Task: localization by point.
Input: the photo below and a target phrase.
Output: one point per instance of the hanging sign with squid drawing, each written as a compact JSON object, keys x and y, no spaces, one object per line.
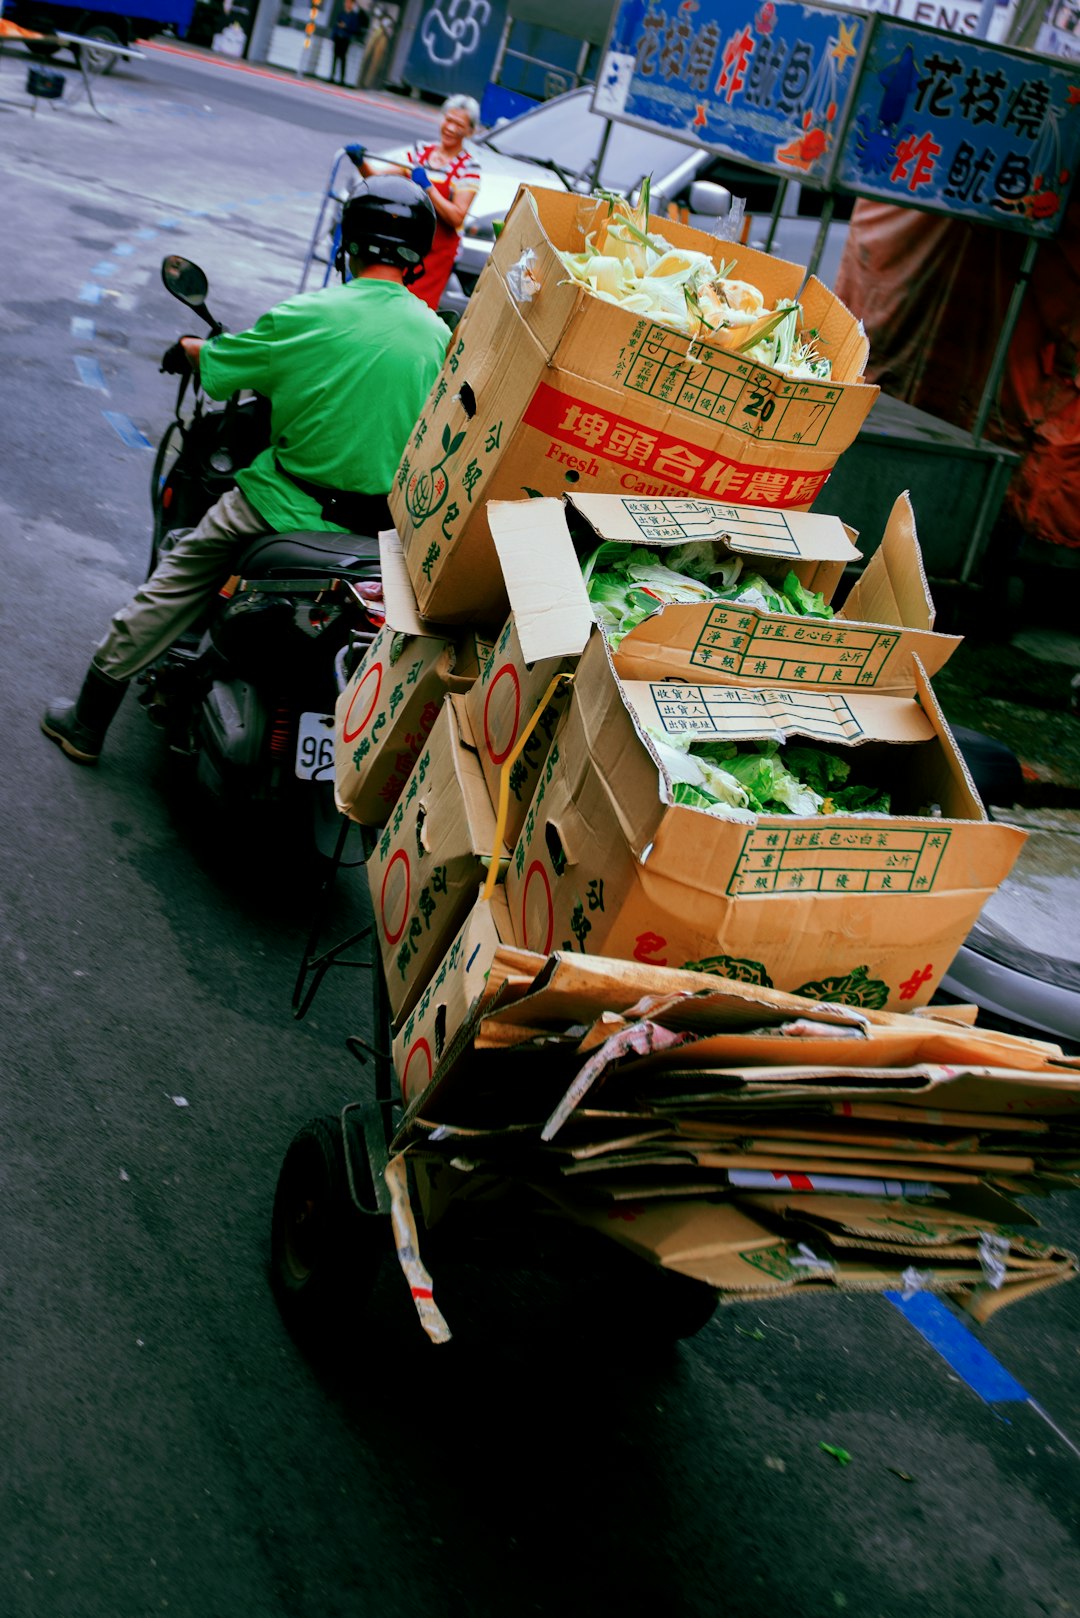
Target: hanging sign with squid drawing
{"x":767,"y":82}
{"x":962,"y":127}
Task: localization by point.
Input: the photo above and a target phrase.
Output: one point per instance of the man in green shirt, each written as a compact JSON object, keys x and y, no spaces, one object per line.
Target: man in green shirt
{"x":347,"y":370}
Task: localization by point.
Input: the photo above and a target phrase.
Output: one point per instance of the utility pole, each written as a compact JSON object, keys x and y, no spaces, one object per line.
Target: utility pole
{"x":307,"y":63}
{"x":262,"y":30}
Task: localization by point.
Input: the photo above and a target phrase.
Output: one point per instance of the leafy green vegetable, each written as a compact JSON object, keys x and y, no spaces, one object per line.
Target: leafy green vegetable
{"x":772,"y":788}
{"x":715,"y":752}
{"x":810,"y":602}
{"x":626,"y":583}
{"x":699,"y":558}
{"x":728,"y":778}
{"x":820,"y":770}
{"x":862,"y":800}
{"x":696,"y":797}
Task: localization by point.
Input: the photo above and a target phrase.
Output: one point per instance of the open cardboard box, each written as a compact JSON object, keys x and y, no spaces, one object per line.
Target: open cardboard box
{"x":428,"y":866}
{"x":386,"y":712}
{"x":456,"y":990}
{"x":886,"y":621}
{"x":870,"y":908}
{"x":546,"y":389}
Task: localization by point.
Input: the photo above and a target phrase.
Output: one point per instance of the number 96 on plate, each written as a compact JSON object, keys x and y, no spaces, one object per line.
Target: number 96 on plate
{"x":315,"y":747}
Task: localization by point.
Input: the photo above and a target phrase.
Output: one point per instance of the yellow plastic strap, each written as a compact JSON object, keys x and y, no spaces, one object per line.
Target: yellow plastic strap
{"x":503,"y":806}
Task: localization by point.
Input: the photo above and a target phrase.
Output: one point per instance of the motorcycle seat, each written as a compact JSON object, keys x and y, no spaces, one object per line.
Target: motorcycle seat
{"x":304,"y":555}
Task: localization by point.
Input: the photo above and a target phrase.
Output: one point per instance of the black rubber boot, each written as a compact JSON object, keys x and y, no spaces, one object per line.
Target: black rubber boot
{"x":79,"y":727}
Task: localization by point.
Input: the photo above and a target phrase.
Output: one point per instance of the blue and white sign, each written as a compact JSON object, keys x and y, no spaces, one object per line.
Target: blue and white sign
{"x":765,"y":81}
{"x":961,"y":127}
{"x":454,"y":47}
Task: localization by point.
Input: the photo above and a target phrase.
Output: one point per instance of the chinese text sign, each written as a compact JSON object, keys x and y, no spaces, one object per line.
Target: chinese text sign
{"x":768,"y":84}
{"x":960,"y":127}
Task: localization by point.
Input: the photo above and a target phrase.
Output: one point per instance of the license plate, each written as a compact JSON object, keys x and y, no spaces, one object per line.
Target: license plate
{"x":315,"y":747}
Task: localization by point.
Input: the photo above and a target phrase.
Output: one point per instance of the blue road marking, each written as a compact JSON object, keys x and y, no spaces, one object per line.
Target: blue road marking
{"x":84,"y":331}
{"x":934,"y":1321}
{"x":127,"y":430}
{"x":90,"y":374}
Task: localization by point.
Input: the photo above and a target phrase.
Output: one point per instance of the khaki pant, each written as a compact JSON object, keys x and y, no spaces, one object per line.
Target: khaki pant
{"x":176,"y":593}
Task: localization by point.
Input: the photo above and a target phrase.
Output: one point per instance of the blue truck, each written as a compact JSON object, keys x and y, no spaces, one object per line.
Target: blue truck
{"x":114,"y":22}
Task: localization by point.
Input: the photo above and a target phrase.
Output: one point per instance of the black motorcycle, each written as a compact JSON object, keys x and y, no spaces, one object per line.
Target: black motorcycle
{"x":248,"y":694}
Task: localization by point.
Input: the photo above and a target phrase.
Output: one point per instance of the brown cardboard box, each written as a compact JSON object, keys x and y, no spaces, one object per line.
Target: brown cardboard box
{"x":887,"y":619}
{"x":552,"y":617}
{"x":455,"y":988}
{"x":866,"y":908}
{"x":384,"y":715}
{"x":429,"y":864}
{"x":723,"y":1245}
{"x":547,"y":389}
{"x":530,"y":652}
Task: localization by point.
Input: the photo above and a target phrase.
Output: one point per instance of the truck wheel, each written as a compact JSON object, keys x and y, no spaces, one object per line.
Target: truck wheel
{"x":41,"y":23}
{"x":324,"y":1254}
{"x":101,"y":62}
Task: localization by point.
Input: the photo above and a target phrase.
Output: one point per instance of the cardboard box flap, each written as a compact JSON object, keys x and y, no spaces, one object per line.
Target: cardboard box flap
{"x":476,"y":828}
{"x":840,"y":338}
{"x":893,"y":587}
{"x":955,"y":789}
{"x":552,"y":611}
{"x":402,"y":612}
{"x":735,"y":713}
{"x":744,"y":530}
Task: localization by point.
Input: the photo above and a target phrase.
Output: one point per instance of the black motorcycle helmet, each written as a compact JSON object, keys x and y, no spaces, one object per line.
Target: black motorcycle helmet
{"x":388,"y":220}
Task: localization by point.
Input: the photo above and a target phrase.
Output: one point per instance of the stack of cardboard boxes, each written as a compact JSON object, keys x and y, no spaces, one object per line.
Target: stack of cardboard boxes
{"x":751,"y":1139}
{"x":506,"y":753}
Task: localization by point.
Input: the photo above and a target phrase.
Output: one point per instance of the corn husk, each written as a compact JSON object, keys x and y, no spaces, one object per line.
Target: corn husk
{"x":626,"y":264}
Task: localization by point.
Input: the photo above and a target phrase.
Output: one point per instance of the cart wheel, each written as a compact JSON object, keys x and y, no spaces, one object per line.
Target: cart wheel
{"x":324,"y":1254}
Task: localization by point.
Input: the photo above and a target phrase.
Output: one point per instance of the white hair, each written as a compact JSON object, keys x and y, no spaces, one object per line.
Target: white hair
{"x":466,"y":104}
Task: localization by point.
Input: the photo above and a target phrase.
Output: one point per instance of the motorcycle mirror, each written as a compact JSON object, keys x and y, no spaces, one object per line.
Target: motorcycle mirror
{"x":185,"y":280}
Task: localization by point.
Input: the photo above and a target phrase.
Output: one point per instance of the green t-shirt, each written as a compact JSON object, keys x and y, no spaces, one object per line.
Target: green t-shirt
{"x":347,"y":371}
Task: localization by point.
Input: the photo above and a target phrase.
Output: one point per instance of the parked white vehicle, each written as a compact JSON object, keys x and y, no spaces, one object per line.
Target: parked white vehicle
{"x":565,"y":145}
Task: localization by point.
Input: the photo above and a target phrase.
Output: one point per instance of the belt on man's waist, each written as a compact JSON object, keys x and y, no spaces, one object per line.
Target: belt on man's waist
{"x":359,"y":513}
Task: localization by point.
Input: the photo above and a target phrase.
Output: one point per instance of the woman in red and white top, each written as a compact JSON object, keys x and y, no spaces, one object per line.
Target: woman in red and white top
{"x":451,"y":177}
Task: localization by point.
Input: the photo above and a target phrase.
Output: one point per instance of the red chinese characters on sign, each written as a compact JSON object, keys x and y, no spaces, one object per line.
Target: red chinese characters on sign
{"x":915,"y":156}
{"x":737,"y":53}
{"x":677,"y":466}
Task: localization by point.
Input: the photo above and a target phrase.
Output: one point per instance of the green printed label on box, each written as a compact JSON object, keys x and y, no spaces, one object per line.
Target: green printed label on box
{"x":733,"y":714}
{"x":741,"y":641}
{"x":717,"y":385}
{"x":678,"y":520}
{"x":855,"y":860}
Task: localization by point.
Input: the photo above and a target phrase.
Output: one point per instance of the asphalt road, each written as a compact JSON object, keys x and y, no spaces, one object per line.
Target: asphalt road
{"x":164,"y":1447}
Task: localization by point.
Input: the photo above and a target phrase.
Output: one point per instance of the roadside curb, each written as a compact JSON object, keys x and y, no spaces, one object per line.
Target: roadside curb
{"x":203,"y":54}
